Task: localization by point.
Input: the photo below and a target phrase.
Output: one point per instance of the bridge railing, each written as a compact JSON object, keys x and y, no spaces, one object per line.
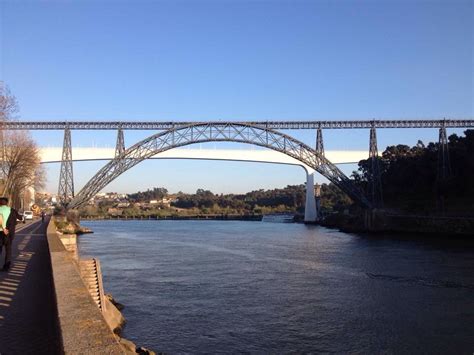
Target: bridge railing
{"x":273,"y":124}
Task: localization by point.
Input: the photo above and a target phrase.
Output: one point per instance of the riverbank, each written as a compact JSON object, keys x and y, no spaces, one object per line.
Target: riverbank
{"x":82,"y":300}
{"x":219,"y":217}
{"x":382,"y":222}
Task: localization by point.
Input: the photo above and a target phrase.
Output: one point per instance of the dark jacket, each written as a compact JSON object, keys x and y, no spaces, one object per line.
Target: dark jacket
{"x":11,"y":221}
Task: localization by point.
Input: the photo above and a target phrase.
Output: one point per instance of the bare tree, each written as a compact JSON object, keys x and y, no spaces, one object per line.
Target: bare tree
{"x":8,"y":103}
{"x":20,"y":164}
{"x":21,"y":159}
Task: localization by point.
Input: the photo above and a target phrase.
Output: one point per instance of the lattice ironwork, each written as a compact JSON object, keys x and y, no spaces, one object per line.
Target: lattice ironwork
{"x":165,"y":125}
{"x":319,"y":142}
{"x":217,"y":132}
{"x":444,"y":169}
{"x":120,"y":145}
{"x":66,"y":180}
{"x":444,"y":165}
{"x":375,"y":183}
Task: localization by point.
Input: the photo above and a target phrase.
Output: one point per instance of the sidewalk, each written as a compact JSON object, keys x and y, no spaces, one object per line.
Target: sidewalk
{"x":28,"y":315}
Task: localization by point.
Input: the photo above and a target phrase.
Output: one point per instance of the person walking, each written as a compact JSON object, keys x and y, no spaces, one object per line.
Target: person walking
{"x":2,"y":234}
{"x":42,"y":216}
{"x":8,"y":226}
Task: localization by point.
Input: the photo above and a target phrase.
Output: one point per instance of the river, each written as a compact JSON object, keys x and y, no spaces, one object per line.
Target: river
{"x":256,"y":287}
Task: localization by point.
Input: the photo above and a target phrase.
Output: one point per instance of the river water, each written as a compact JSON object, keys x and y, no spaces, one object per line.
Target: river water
{"x":256,"y":287}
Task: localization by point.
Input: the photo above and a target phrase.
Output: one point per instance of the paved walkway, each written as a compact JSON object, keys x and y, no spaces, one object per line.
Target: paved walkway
{"x":28,"y":316}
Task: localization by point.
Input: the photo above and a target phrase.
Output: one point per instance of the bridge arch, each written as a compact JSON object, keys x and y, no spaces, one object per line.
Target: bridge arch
{"x":217,"y":132}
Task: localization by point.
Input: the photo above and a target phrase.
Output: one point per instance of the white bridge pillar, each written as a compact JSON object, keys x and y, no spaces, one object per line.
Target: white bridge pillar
{"x":310,"y":211}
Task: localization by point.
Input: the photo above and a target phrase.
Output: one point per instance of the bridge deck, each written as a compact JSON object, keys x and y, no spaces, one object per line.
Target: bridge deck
{"x":54,"y":154}
{"x":296,"y":124}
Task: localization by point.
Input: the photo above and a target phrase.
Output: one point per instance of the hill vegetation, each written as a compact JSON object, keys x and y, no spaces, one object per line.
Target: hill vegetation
{"x":409,"y":177}
{"x":290,"y":199}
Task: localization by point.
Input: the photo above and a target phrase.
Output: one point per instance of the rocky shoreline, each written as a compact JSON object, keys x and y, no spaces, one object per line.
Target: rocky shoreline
{"x":116,"y":322}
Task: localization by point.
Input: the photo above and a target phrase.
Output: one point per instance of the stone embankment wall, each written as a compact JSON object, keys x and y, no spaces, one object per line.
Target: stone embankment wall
{"x":458,"y":226}
{"x":84,"y":328}
{"x":398,"y":223}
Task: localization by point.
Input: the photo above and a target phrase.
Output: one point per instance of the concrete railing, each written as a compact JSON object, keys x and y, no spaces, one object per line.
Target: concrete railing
{"x":82,"y":326}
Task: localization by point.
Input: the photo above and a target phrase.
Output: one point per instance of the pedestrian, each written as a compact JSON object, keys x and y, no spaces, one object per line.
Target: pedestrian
{"x":9,"y":217}
{"x":2,"y":234}
{"x":42,"y":216}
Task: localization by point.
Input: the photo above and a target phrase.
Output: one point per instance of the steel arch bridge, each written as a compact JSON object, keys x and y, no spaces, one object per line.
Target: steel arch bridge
{"x":217,"y":132}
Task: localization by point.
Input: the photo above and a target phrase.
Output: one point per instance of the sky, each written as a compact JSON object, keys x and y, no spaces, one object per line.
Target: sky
{"x":235,"y":60}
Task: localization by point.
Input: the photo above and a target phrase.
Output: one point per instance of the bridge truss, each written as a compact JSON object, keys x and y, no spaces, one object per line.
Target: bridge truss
{"x":217,"y":132}
{"x":165,"y":125}
{"x":175,"y":134}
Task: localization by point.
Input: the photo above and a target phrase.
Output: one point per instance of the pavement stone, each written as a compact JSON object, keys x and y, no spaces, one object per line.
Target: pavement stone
{"x":28,"y":312}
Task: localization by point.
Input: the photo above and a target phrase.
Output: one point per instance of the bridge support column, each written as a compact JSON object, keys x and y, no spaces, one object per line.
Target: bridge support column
{"x":319,"y":142}
{"x":375,"y":183}
{"x":120,"y":145}
{"x":310,"y":210}
{"x":317,"y":194}
{"x":66,"y":180}
{"x":444,"y":168}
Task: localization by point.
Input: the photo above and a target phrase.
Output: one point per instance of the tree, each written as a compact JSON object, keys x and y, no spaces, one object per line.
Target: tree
{"x":409,"y":176}
{"x":8,"y":103}
{"x":157,"y":193}
{"x":20,"y":159}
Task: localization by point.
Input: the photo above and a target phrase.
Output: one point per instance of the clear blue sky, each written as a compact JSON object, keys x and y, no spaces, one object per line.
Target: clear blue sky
{"x":235,"y":60}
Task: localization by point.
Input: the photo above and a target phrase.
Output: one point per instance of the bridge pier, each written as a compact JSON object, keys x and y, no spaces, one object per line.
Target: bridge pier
{"x":375,"y":183}
{"x":66,"y":180}
{"x":319,"y":142}
{"x":120,"y":145}
{"x":444,"y":165}
{"x":444,"y":168}
{"x":310,"y":210}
